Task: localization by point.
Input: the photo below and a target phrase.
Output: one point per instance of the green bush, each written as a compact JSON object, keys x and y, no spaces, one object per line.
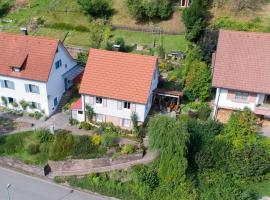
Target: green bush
{"x":204,"y":113}
{"x":128,"y":149}
{"x":73,"y":121}
{"x":14,"y":143}
{"x":107,"y":140}
{"x":61,"y":26}
{"x":44,"y":135}
{"x":82,"y":28}
{"x":86,"y":126}
{"x":82,"y":58}
{"x":24,"y":104}
{"x":62,"y":146}
{"x":37,"y":115}
{"x":33,"y":149}
{"x":5,"y":6}
{"x":97,"y":8}
{"x":83,"y":148}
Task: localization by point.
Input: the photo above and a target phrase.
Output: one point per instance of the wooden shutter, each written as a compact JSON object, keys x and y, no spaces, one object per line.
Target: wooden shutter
{"x":119,"y":105}
{"x":26,"y":88}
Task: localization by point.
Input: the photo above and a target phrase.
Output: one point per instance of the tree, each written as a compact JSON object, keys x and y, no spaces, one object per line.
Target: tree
{"x":198,"y":81}
{"x":5,"y":6}
{"x":97,"y":8}
{"x":194,"y":19}
{"x":82,"y":58}
{"x":89,"y":112}
{"x":100,"y":34}
{"x":144,"y":10}
{"x":170,"y":137}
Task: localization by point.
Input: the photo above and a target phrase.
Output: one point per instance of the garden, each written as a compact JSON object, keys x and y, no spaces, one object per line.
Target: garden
{"x":39,"y":146}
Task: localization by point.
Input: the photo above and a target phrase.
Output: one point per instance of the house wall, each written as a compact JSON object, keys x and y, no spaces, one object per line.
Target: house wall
{"x":55,"y":85}
{"x":19,"y":92}
{"x":76,"y":115}
{"x":227,"y":100}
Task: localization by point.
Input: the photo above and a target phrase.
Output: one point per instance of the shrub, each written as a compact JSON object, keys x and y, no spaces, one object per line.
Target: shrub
{"x":37,"y":115}
{"x":82,"y":58}
{"x":14,"y":143}
{"x":4,"y":101}
{"x":33,"y":149}
{"x":120,"y":41}
{"x":128,"y":149}
{"x":83,"y":148}
{"x":97,"y":8}
{"x":24,"y":104}
{"x":204,"y":113}
{"x":89,"y":112}
{"x":5,"y":6}
{"x":15,"y":104}
{"x":81,"y":28}
{"x":86,"y":126}
{"x":96,"y":139}
{"x":107,"y":140}
{"x":62,"y":146}
{"x":73,"y":121}
{"x":44,"y":135}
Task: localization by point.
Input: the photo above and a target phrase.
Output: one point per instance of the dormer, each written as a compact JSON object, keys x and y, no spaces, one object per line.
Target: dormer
{"x":19,"y":61}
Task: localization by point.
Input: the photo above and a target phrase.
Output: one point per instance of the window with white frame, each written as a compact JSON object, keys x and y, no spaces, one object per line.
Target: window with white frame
{"x":11,"y":100}
{"x":98,"y":100}
{"x":126,"y":123}
{"x":99,"y":118}
{"x":126,"y":105}
{"x":243,"y":96}
{"x":35,"y":105}
{"x":32,"y":88}
{"x":58,"y":64}
{"x":80,"y":112}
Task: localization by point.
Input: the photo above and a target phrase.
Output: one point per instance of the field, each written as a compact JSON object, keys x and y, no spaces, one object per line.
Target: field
{"x":68,"y":12}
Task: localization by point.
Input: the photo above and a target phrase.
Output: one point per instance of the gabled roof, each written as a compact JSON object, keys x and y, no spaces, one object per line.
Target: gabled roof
{"x":116,"y":75}
{"x":34,"y":55}
{"x":242,"y":61}
{"x":77,"y":105}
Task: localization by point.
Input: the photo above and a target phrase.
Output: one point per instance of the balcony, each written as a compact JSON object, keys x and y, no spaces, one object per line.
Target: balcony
{"x":263,"y":109}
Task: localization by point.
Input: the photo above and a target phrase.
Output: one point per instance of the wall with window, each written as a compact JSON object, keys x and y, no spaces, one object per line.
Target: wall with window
{"x":236,"y":99}
{"x":56,"y":85}
{"x":21,"y":89}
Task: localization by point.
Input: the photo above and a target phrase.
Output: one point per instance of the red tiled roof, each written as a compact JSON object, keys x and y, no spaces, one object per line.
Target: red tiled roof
{"x":117,"y":75}
{"x":34,"y":55}
{"x":77,"y":105}
{"x":242,"y":61}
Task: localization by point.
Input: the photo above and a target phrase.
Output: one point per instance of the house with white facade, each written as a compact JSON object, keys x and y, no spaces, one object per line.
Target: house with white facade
{"x":241,"y":72}
{"x":115,"y":84}
{"x":34,"y":70}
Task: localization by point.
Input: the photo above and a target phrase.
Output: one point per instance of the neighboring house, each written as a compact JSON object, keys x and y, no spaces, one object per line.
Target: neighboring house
{"x":241,"y":72}
{"x":34,"y":69}
{"x":184,"y":3}
{"x":116,"y":84}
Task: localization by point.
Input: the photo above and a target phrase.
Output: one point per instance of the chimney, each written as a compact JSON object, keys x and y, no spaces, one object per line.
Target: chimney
{"x":24,"y":31}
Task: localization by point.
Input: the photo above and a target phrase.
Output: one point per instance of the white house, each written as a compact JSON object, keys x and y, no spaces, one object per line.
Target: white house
{"x":241,"y":72}
{"x":36,"y":70}
{"x":116,"y":84}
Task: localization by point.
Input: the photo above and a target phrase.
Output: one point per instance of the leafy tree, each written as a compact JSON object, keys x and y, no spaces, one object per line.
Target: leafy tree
{"x":89,"y":112}
{"x":97,"y":8}
{"x":144,"y":10}
{"x":100,"y":34}
{"x":170,"y":137}
{"x":5,"y":6}
{"x":82,"y":58}
{"x":198,"y":81}
{"x":194,"y":19}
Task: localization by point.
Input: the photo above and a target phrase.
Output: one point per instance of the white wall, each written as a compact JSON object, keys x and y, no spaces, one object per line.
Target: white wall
{"x":19,"y":92}
{"x":228,"y":103}
{"x":112,"y":109}
{"x":55,"y":84}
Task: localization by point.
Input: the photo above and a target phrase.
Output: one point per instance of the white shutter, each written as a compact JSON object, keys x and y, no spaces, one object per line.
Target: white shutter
{"x":133,"y":107}
{"x":91,"y":100}
{"x":104,"y":102}
{"x":119,"y":105}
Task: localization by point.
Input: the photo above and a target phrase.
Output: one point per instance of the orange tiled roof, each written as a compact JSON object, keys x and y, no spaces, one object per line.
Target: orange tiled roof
{"x":242,"y":61}
{"x":117,"y":75}
{"x":34,"y":55}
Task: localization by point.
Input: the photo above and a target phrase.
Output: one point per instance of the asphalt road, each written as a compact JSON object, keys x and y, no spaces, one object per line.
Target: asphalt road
{"x":25,"y":187}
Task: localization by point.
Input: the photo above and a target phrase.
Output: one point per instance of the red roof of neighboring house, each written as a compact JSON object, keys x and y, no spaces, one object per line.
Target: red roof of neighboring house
{"x":117,"y":75}
{"x":77,"y":105}
{"x":242,"y":61}
{"x":34,"y":55}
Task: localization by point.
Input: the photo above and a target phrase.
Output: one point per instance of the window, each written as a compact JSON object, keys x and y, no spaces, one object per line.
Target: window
{"x":11,"y":100}
{"x":8,"y":84}
{"x":80,"y":112}
{"x":16,"y":69}
{"x":65,"y":65}
{"x":266,"y":99}
{"x":127,"y":105}
{"x":58,"y":64}
{"x":32,"y":88}
{"x":241,"y":96}
{"x":99,"y":118}
{"x":35,"y":105}
{"x":98,"y":100}
{"x":55,"y":101}
{"x":126,"y":123}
